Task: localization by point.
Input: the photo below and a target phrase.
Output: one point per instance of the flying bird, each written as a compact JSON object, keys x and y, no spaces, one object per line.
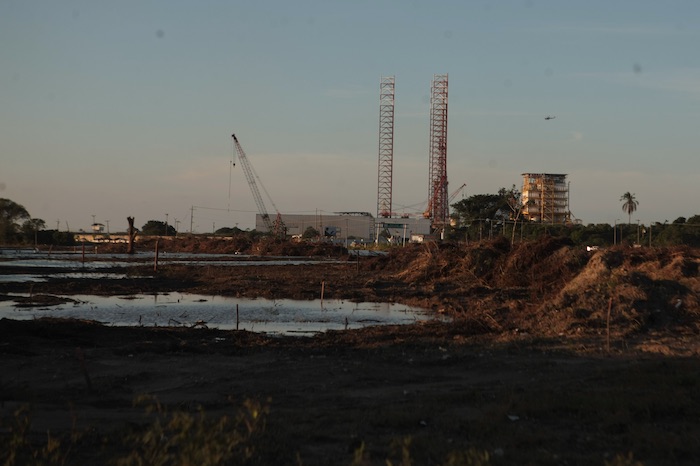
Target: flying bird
{"x":548,"y":117}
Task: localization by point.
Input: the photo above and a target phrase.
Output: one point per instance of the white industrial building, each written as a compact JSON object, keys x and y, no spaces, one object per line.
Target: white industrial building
{"x":351,"y":225}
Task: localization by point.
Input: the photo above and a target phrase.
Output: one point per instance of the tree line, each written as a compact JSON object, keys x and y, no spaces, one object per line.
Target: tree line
{"x":17,"y":227}
{"x":487,"y":216}
{"x":478,"y":217}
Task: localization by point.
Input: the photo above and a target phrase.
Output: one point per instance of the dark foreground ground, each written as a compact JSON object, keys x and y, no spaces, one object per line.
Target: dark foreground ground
{"x":497,"y":386}
{"x":327,"y":398}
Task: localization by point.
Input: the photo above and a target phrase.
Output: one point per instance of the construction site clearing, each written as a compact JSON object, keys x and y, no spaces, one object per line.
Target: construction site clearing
{"x":554,"y":355}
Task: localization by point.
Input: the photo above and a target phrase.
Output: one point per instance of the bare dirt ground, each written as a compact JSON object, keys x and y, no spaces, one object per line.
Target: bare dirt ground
{"x":554,"y":356}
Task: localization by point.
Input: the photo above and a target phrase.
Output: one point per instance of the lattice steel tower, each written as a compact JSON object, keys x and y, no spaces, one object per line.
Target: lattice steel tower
{"x":438,"y":205}
{"x":386,"y":146}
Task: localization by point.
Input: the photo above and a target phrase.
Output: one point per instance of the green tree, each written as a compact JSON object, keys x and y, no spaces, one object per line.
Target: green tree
{"x":629,"y":204}
{"x":515,"y":203}
{"x":31,"y":228}
{"x":228,"y":231}
{"x":482,"y":207}
{"x":482,"y":213}
{"x":62,"y":238}
{"x":157,"y":228}
{"x":11,"y":214}
{"x":310,"y":233}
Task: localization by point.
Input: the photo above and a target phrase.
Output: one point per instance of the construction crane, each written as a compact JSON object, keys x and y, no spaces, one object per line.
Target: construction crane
{"x":428,"y":210}
{"x":456,"y":191}
{"x":434,"y":199}
{"x":277,"y":227}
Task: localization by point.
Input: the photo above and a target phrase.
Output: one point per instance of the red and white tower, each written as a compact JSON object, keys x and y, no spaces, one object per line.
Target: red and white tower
{"x":438,"y":204}
{"x":386,"y":146}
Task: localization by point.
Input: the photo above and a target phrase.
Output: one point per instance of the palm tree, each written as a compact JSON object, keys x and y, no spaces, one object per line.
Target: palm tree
{"x":629,"y":204}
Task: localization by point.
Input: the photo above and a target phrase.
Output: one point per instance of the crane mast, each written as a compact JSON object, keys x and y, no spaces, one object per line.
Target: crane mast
{"x":250,"y":177}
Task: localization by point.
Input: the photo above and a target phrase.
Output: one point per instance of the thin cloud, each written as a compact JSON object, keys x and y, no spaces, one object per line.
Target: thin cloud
{"x":576,"y":136}
{"x":679,"y":80}
{"x":203,"y":169}
{"x":682,"y":80}
{"x":616,"y":29}
{"x":503,"y":113}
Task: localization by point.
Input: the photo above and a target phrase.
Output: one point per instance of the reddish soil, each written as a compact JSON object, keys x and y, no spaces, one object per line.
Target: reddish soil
{"x":554,"y":355}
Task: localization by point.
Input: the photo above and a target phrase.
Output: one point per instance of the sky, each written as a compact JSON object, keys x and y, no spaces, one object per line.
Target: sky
{"x":115,"y":109}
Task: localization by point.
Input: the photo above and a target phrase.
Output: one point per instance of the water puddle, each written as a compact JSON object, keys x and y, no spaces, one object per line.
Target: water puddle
{"x":283,"y":316}
{"x":103,"y":266}
{"x":36,"y":278}
{"x":181,"y":309}
{"x":107,"y":261}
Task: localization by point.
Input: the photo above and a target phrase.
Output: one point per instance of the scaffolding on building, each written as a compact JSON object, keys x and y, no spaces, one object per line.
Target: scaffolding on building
{"x":545,"y":198}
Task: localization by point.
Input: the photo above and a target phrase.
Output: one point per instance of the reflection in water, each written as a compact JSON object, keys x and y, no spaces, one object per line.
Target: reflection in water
{"x":282,"y":316}
{"x":178,"y":309}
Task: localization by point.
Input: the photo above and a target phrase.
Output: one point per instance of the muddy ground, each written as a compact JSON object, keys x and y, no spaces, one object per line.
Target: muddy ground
{"x":553,"y":355}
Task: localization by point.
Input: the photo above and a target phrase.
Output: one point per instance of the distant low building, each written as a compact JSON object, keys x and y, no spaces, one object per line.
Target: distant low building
{"x":101,"y":238}
{"x":351,"y":225}
{"x":405,"y":229}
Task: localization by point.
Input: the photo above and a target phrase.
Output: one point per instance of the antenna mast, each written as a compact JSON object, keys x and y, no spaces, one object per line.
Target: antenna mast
{"x":437,"y":177}
{"x":386,"y":146}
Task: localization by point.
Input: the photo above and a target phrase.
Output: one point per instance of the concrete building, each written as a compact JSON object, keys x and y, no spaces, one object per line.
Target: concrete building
{"x":406,"y":229}
{"x":351,"y":225}
{"x":545,"y":198}
{"x":339,"y":225}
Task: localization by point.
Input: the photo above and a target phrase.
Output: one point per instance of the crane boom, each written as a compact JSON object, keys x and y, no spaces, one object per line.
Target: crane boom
{"x":250,"y":177}
{"x":456,"y":191}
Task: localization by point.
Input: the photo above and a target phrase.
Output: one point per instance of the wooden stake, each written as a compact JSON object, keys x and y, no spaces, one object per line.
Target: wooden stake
{"x":323,"y":287}
{"x":607,"y":325}
{"x":155,"y":259}
{"x":237,"y":320}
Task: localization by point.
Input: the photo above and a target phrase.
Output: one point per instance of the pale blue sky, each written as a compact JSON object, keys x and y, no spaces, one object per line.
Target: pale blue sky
{"x":126,"y":108}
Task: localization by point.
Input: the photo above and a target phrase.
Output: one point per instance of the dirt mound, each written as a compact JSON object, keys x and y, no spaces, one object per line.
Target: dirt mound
{"x":433,"y":262}
{"x":277,"y":247}
{"x":549,"y":287}
{"x":644,"y":289}
{"x":492,"y":264}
